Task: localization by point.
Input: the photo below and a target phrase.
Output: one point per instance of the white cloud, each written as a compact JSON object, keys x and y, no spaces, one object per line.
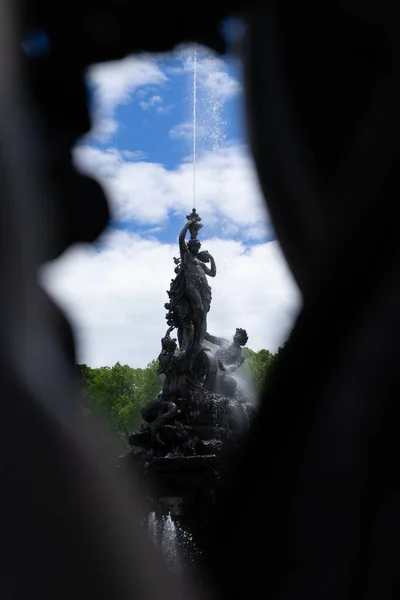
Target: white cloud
{"x":184,"y":131}
{"x":227,"y":189}
{"x":213,"y":76}
{"x":151,"y":102}
{"x":258,"y":232}
{"x":162,"y":110}
{"x":115,"y":298}
{"x":101,"y":164}
{"x":136,"y":155}
{"x":103,"y":128}
{"x":212,"y":73}
{"x":114,"y":83}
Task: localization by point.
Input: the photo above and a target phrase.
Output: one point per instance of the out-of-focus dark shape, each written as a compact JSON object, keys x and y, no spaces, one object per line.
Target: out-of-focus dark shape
{"x":312,"y":510}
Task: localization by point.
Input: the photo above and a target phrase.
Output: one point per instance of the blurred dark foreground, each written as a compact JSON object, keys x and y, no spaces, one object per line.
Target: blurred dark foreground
{"x":312,"y":506}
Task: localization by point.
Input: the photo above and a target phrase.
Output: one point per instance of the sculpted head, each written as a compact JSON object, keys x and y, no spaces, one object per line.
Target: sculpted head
{"x":194,"y":246}
{"x":240,"y":337}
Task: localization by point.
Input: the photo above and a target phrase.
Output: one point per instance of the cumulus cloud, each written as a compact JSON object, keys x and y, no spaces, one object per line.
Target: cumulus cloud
{"x":184,"y":131}
{"x":163,"y":110}
{"x":151,"y":102}
{"x":227,"y":189}
{"x":212,"y":72}
{"x":115,"y":298}
{"x":103,"y":128}
{"x":114,"y":83}
{"x":136,"y":155}
{"x":212,"y":75}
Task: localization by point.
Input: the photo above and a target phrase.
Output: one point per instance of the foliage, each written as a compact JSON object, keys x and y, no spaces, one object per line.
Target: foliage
{"x":257,"y":366}
{"x":117,"y":394}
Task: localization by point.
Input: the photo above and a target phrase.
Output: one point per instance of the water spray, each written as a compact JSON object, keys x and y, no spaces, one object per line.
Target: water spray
{"x":194,"y":121}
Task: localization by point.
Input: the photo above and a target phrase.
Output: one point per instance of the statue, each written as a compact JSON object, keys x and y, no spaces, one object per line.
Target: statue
{"x":157,"y":413}
{"x":230,"y":358}
{"x":182,"y":388}
{"x":229,"y":355}
{"x":190,"y":293}
{"x":191,"y":428}
{"x":180,"y":380}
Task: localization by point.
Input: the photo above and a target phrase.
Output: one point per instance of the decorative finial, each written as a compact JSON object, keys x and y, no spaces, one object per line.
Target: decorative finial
{"x":196,"y":225}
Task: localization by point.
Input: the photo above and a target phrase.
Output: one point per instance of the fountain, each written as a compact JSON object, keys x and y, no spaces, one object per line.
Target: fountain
{"x":190,"y":429}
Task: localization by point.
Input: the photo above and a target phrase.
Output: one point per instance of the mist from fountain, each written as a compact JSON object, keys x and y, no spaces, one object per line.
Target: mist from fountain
{"x":246,"y":386}
{"x":176,"y":544}
{"x":169,"y":543}
{"x":194,"y":121}
{"x":243,"y":381}
{"x":152,"y":527}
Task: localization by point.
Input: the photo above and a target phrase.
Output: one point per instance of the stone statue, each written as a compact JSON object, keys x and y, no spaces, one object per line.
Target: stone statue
{"x":230,"y":358}
{"x":190,"y":293}
{"x":182,"y":388}
{"x":157,"y":413}
{"x":229,"y":354}
{"x":180,"y":380}
{"x":196,"y":381}
{"x":191,"y":428}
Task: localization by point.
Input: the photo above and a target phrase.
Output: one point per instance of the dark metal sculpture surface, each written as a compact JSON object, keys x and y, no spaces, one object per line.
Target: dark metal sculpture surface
{"x":190,"y":293}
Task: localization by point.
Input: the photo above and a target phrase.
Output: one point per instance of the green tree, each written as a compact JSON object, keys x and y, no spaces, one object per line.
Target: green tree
{"x":116,"y":394}
{"x":257,"y":366}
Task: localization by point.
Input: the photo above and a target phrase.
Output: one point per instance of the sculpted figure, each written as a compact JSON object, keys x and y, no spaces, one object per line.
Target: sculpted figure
{"x":229,"y":354}
{"x":229,"y":357}
{"x":179,"y":388}
{"x":190,"y":293}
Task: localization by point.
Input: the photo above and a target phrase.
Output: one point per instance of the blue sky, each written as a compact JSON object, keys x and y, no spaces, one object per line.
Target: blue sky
{"x":141,"y":150}
{"x":152,"y":122}
{"x":172,"y":103}
{"x":153,"y":114}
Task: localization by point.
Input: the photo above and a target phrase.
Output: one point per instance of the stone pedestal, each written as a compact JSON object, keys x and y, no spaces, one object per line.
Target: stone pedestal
{"x":183,"y":469}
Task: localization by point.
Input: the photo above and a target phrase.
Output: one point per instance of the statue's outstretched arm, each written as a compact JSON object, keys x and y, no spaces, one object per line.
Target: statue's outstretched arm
{"x":182,"y":236}
{"x":214,"y":340}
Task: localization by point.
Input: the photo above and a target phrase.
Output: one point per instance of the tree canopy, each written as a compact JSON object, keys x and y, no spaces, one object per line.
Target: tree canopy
{"x":116,"y":394}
